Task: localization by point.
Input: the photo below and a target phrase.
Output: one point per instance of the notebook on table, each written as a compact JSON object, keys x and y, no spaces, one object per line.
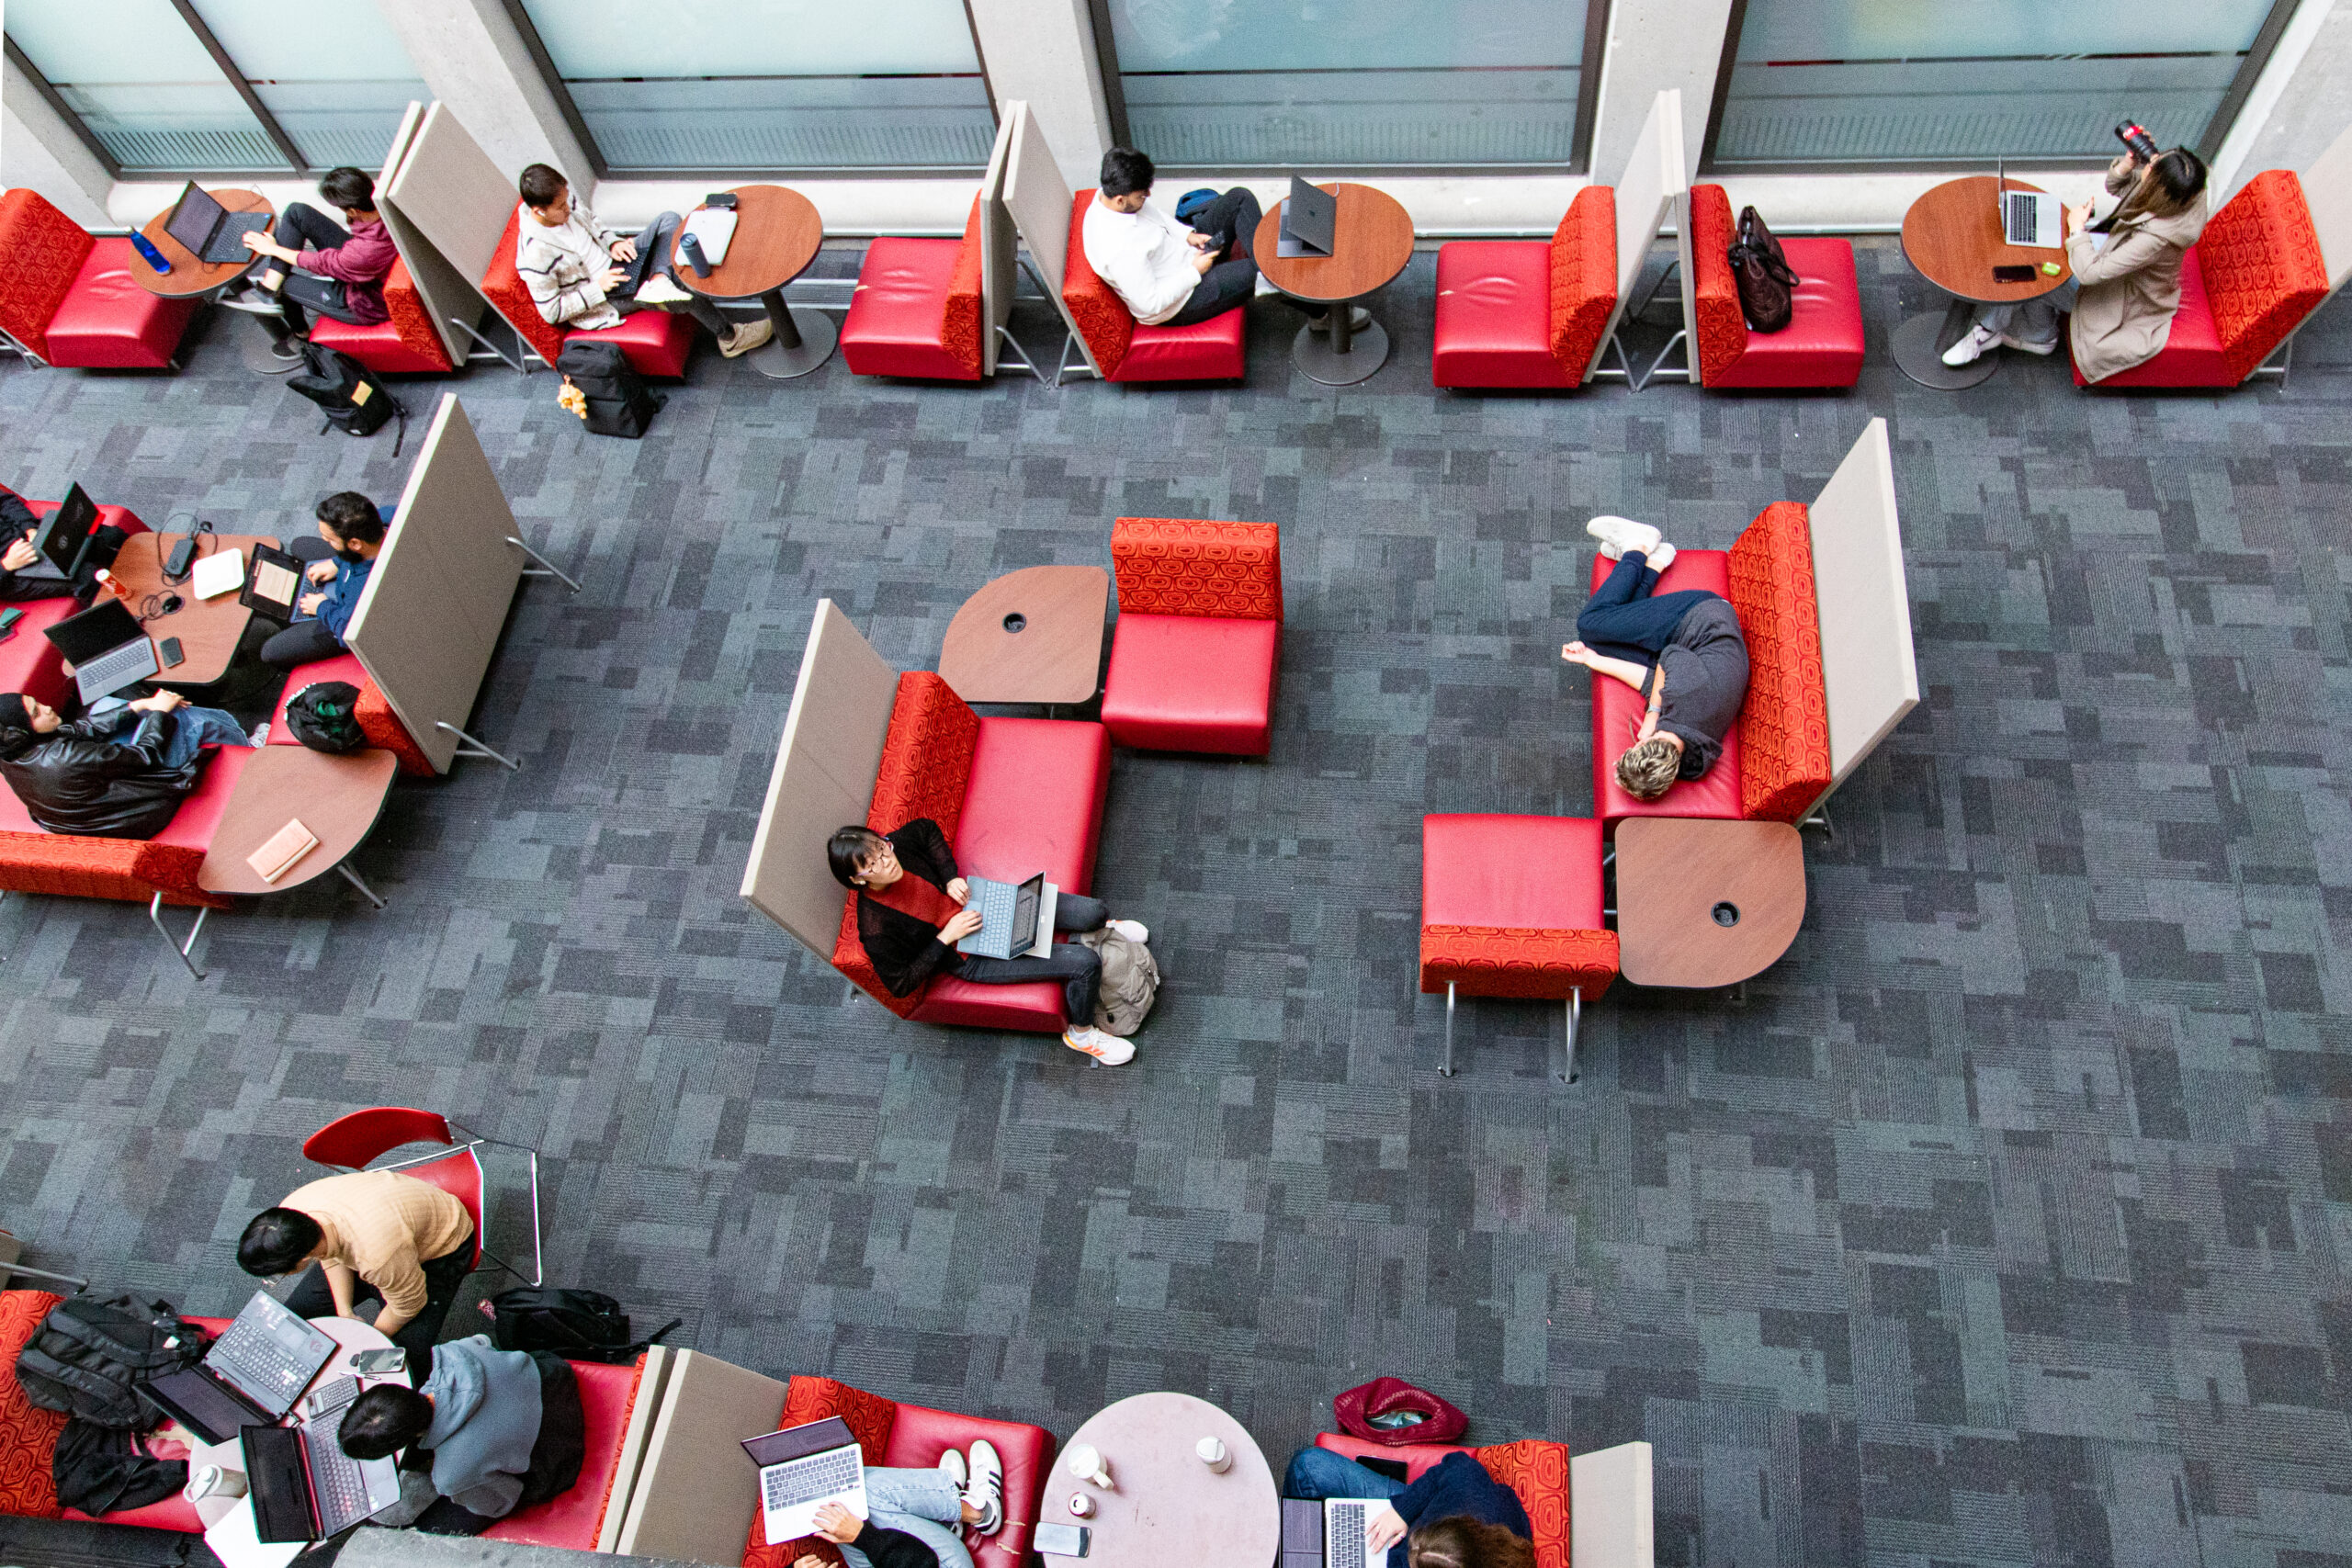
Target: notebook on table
{"x":713,"y":228}
{"x":801,"y":1470}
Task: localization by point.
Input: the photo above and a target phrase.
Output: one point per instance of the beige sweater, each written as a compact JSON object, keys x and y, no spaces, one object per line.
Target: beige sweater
{"x":384,"y":1227}
{"x":2130,"y":289}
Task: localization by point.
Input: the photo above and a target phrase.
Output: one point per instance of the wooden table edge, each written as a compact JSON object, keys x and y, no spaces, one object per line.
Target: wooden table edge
{"x":321,"y":863}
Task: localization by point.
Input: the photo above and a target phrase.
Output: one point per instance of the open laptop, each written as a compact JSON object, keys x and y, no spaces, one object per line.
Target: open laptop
{"x":209,"y":231}
{"x":1310,"y":221}
{"x":269,"y":1354}
{"x":205,"y":1404}
{"x":801,"y":1470}
{"x":108,"y":651}
{"x":63,"y":536}
{"x":2029,"y":218}
{"x":305,"y":1487}
{"x":1344,"y":1546}
{"x":1013,"y":916}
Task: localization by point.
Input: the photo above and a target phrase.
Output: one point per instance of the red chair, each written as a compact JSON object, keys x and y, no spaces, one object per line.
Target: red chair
{"x":1822,"y":345}
{"x":1528,"y":313}
{"x":656,"y":341}
{"x":571,"y":1517}
{"x":68,"y":299}
{"x":1213,"y":350}
{"x":406,"y":343}
{"x":350,"y":1143}
{"x":917,"y":311}
{"x":1198,"y":645}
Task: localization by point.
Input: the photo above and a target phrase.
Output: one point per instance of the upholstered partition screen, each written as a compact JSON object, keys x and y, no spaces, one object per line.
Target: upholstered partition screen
{"x":999,"y":275}
{"x":2327,"y":190}
{"x":429,"y":618}
{"x":1611,"y":1503}
{"x":451,"y":194}
{"x":1039,"y":199}
{"x":1867,"y":664}
{"x":1649,"y":192}
{"x":824,"y":777}
{"x":696,"y":1490}
{"x":652,"y":1382}
{"x":448,"y":297}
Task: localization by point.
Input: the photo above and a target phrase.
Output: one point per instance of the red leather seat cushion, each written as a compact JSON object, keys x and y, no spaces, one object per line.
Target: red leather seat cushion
{"x":657,"y":342}
{"x":1192,"y":684}
{"x":571,"y":1517}
{"x":1493,"y":303}
{"x":1033,"y":803}
{"x":378,"y":348}
{"x":2192,"y":355}
{"x":1617,"y":714}
{"x":109,"y":321}
{"x":896,"y":324}
{"x":1822,"y":345}
{"x":1213,"y":350}
{"x":377,"y":720}
{"x":921,"y":1434}
{"x":1521,"y":872}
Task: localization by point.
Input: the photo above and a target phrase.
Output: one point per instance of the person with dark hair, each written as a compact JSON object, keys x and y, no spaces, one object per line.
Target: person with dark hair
{"x":338,"y":561}
{"x":2126,"y":285}
{"x":338,"y":269}
{"x":1170,"y":274}
{"x":488,"y":1432}
{"x":119,"y":771}
{"x":909,"y":926}
{"x":407,"y":1241}
{"x":580,"y":273}
{"x":1455,"y":1515}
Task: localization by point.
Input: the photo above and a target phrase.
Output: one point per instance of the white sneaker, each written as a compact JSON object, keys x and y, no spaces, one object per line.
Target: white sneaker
{"x":1660,"y":558}
{"x":1265,"y":287}
{"x":987,"y":1491}
{"x":2048,"y":345}
{"x":260,"y":736}
{"x":951,"y":1464}
{"x":1618,"y":535}
{"x":1134,"y":931}
{"x":746,"y":337}
{"x":1972,"y":348}
{"x":1107,"y":1049}
{"x":657,"y":289}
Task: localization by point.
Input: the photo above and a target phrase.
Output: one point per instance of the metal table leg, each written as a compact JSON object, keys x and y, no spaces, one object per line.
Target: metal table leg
{"x":1919,"y":345}
{"x":1347,"y":355}
{"x":796,"y":349}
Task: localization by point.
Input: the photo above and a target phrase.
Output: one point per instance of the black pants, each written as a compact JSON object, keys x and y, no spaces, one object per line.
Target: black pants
{"x":1232,"y":221}
{"x":651,"y":241}
{"x":303,"y":225}
{"x":307,"y":639}
{"x":1074,"y":967}
{"x":443,"y":1275}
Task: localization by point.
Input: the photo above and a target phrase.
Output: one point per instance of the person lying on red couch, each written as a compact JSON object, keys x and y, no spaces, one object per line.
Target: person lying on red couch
{"x":489,"y":1431}
{"x":910,"y":1512}
{"x":119,"y":771}
{"x":909,"y":926}
{"x":1698,"y":675}
{"x":1455,"y":1515}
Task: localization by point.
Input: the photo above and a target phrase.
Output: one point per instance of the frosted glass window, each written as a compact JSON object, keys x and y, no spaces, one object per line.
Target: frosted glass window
{"x":749,"y":84}
{"x":337,"y":84}
{"x":1866,"y":81}
{"x":142,"y":86}
{"x":1325,"y":84}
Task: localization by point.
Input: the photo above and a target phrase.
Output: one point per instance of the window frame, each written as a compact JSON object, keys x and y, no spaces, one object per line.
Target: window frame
{"x":2207,"y":146}
{"x":1579,"y":162}
{"x":565,"y":105}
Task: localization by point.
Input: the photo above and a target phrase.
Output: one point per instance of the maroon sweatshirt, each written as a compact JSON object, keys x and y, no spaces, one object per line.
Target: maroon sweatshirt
{"x":362,"y":263}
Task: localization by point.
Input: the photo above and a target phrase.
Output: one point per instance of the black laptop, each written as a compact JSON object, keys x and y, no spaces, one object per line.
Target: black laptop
{"x":305,"y":1487}
{"x":1310,"y":221}
{"x":64,"y":538}
{"x":209,"y":231}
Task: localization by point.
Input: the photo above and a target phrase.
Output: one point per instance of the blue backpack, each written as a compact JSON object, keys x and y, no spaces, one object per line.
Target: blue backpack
{"x":1192,"y":203}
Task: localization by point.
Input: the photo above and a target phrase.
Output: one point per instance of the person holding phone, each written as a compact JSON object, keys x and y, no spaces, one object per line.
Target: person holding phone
{"x":2126,"y":283}
{"x":915,"y":1516}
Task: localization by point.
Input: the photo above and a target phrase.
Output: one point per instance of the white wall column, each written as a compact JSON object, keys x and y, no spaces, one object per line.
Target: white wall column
{"x":1043,"y":50}
{"x":1654,"y":45}
{"x":473,"y":59}
{"x":39,"y":149}
{"x":2301,"y":103}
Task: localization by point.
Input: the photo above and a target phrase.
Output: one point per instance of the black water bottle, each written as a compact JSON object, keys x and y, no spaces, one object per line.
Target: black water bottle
{"x":695,"y":258}
{"x":2142,"y":145}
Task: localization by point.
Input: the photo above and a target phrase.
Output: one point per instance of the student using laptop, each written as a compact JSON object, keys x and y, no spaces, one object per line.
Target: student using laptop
{"x":337,"y":563}
{"x":1166,"y":273}
{"x":337,"y":269}
{"x":405,"y":1240}
{"x":489,"y":1431}
{"x":119,"y":773}
{"x":585,"y":275}
{"x":909,"y":926}
{"x":2126,"y":282}
{"x":22,"y":573}
{"x":1455,"y":1515}
{"x":917,"y":1517}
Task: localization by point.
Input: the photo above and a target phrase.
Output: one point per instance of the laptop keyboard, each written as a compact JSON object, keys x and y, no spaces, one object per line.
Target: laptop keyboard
{"x":229,"y":244}
{"x":258,"y":1361}
{"x":995,"y":902}
{"x":805,"y":1481}
{"x":132,"y":658}
{"x":1347,"y":1537}
{"x":2023,"y":212}
{"x":337,"y":1483}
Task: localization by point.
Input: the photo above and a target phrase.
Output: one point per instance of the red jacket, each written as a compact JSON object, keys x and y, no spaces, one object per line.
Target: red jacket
{"x":361,"y":262}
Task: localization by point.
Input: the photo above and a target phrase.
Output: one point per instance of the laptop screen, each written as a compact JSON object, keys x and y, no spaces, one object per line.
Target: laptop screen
{"x":203,"y":1406}
{"x":194,"y":219}
{"x":280,"y":1484}
{"x":67,"y":528}
{"x":798,"y":1442}
{"x":99,"y":629}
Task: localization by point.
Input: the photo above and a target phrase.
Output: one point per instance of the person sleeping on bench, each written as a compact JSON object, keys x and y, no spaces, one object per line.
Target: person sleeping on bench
{"x":119,"y":771}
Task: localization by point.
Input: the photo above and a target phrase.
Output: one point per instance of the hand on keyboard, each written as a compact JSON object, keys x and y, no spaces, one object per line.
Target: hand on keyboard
{"x":837,"y":1524}
{"x":1383,"y":1529}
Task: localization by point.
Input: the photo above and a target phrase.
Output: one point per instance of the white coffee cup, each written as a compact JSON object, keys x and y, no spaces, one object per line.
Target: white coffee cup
{"x":1212,"y":1454}
{"x":215,"y":1480}
{"x":1087,"y":1463}
{"x":1081,"y":1505}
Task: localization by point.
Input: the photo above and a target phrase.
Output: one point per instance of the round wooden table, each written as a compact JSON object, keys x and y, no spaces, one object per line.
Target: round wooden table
{"x":1705,"y":902}
{"x":191,"y":278}
{"x":207,"y":629}
{"x":778,"y":233}
{"x":1165,"y":1506}
{"x":1032,"y":636}
{"x":1953,"y":236}
{"x":1372,"y":241}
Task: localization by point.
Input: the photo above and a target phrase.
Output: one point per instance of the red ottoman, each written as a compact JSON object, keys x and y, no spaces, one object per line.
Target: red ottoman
{"x":109,"y":322}
{"x":1198,"y":645}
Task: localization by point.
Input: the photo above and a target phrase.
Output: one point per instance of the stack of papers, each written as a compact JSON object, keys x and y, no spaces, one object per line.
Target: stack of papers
{"x":712,"y":228}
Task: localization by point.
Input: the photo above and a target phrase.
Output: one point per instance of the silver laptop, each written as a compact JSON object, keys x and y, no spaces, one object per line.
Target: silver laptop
{"x":1016,"y":919}
{"x":801,"y":1470}
{"x":1344,"y":1520}
{"x":2029,"y":218}
{"x":108,"y":651}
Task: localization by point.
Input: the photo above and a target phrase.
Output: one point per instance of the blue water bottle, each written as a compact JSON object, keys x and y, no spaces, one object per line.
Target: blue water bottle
{"x":692,"y":248}
{"x":147,"y":249}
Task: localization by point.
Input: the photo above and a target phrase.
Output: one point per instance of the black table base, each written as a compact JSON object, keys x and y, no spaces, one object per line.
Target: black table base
{"x":1919,"y":345}
{"x":1344,"y":355}
{"x":801,"y":344}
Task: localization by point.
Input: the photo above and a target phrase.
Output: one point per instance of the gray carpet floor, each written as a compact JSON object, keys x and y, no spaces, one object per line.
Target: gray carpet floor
{"x":2006,"y":1222}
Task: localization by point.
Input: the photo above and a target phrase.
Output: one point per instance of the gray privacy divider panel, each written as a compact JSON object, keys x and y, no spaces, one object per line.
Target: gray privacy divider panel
{"x":1868,"y":669}
{"x":1650,"y":191}
{"x":446,"y":293}
{"x":697,"y":1491}
{"x":428,"y":621}
{"x":1039,"y":199}
{"x":1612,"y":1507}
{"x":825,"y":768}
{"x":652,"y":1380}
{"x":999,"y":276}
{"x":455,"y":196}
{"x":2327,"y":191}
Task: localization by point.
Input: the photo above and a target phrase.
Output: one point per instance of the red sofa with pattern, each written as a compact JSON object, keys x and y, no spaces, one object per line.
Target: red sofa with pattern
{"x":1198,"y":645}
{"x":1213,"y":350}
{"x":1528,"y":313}
{"x":2246,"y":284}
{"x":1587,"y":1510}
{"x":657,"y":342}
{"x":1014,"y":797}
{"x":1822,"y":345}
{"x":69,"y":300}
{"x":405,"y":343}
{"x":1775,"y":762}
{"x":916,"y":312}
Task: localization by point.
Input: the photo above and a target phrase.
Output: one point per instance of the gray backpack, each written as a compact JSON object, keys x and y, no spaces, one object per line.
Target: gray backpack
{"x":1130,"y":981}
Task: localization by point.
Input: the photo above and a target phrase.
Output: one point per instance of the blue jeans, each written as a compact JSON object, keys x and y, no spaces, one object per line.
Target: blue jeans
{"x":193,"y":728}
{"x":921,"y":1503}
{"x":1318,"y":1473}
{"x":1627,"y":617}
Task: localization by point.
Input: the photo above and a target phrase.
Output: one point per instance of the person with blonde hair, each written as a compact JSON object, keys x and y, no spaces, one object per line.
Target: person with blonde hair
{"x":1683,"y":651}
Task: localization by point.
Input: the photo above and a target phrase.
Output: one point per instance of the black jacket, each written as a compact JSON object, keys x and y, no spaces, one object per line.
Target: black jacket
{"x":16,"y":520}
{"x":893,"y":1548}
{"x":86,"y":777}
{"x":906,"y":951}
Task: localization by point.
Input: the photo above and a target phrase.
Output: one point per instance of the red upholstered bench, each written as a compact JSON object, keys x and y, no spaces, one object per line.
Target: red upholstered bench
{"x":916,"y":311}
{"x":1822,"y":345}
{"x":2245,"y":285}
{"x":1528,"y":313}
{"x":69,"y":300}
{"x":377,"y":720}
{"x":1213,"y":350}
{"x":1198,"y":645}
{"x":1014,"y":796}
{"x":405,"y":343}
{"x":572,"y":1517}
{"x":656,"y":341}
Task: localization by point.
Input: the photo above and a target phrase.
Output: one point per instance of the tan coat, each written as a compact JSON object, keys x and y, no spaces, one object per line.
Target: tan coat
{"x":2130,"y":288}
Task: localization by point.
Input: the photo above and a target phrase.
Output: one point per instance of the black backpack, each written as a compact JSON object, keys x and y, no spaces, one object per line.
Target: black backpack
{"x":618,"y":401}
{"x":91,"y":1353}
{"x":352,"y":396}
{"x":580,"y":1325}
{"x":99,"y":1470}
{"x":325,"y":716}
